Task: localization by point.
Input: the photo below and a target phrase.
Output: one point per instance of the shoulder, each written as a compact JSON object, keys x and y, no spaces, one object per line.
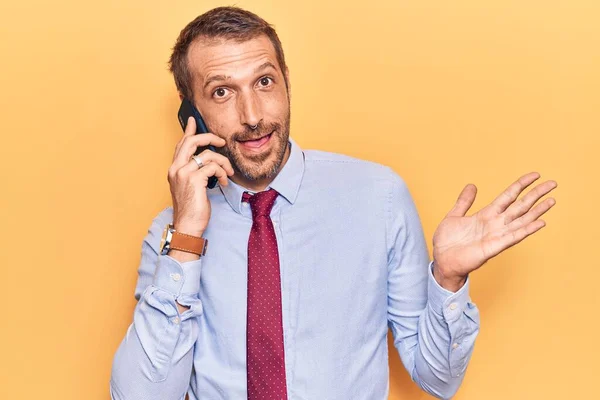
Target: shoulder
{"x":342,"y":166}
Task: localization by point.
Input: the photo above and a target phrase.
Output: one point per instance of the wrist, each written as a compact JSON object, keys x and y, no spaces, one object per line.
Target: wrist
{"x":448,"y":281}
{"x":176,"y":240}
{"x":188,"y":229}
{"x":182,"y":256}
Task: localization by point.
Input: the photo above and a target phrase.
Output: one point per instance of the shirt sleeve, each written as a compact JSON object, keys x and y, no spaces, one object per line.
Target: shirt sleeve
{"x":155,"y":358}
{"x":434,"y":329}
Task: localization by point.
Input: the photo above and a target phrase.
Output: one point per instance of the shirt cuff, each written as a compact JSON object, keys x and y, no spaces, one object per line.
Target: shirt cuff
{"x":177,"y":278}
{"x":444,"y":302}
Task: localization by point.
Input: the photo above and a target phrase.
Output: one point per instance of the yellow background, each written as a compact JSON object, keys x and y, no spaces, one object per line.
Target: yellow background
{"x":447,"y":93}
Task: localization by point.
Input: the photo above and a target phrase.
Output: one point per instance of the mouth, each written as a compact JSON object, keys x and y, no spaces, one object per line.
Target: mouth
{"x":256,"y":144}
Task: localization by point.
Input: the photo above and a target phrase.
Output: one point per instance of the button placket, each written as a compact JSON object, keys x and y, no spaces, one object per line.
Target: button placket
{"x":285,"y":294}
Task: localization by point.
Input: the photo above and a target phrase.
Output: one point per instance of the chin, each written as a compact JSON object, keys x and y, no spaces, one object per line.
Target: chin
{"x":264,"y":165}
{"x":265,"y":170}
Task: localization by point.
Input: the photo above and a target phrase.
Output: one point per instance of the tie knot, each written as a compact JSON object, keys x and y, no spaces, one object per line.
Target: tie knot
{"x":261,"y":203}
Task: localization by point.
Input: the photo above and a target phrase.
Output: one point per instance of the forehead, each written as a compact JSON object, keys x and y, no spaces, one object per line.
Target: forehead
{"x":206,"y":58}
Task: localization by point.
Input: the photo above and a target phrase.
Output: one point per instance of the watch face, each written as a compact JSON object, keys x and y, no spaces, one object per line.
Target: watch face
{"x":165,"y":239}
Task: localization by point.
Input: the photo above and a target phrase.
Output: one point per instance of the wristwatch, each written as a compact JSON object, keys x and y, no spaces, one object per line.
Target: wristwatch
{"x":171,"y":239}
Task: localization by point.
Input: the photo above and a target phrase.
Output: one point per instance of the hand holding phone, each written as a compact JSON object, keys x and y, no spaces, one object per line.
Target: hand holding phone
{"x":186,"y":110}
{"x":188,"y":183}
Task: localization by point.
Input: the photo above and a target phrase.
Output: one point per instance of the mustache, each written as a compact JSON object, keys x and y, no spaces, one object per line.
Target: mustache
{"x":261,"y":130}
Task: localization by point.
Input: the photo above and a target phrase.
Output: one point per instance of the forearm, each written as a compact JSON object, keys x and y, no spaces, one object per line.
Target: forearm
{"x":155,"y":358}
{"x":136,"y":375}
{"x":434,"y":328}
{"x":446,"y":335}
{"x":450,"y":283}
{"x":183,"y":256}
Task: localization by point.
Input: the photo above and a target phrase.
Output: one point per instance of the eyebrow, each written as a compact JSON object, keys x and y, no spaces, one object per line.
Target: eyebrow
{"x":217,"y":78}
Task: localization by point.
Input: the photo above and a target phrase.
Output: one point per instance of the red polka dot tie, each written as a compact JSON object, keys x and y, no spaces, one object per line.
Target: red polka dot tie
{"x":264,"y":338}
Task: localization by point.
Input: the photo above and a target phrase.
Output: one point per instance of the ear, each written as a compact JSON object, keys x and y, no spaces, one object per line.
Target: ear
{"x":181,"y":96}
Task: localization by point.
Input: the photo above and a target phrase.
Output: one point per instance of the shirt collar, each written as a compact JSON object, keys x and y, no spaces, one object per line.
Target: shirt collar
{"x":286,"y":183}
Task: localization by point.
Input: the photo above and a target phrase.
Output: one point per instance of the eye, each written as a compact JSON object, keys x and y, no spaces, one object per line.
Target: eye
{"x":265,"y":81}
{"x":220,"y":92}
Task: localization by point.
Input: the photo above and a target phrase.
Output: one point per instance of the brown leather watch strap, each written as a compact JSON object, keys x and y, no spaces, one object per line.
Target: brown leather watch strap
{"x":188,"y":243}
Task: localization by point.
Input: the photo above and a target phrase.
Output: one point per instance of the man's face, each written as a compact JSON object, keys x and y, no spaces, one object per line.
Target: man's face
{"x":238,"y":85}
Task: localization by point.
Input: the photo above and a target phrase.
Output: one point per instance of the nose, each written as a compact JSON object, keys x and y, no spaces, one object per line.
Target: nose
{"x":249,"y":109}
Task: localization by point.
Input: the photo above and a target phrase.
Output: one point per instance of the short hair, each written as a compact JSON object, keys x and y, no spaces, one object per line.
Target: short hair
{"x":228,"y":23}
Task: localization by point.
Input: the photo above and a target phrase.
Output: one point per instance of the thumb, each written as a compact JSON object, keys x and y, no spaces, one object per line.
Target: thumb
{"x":464,"y":202}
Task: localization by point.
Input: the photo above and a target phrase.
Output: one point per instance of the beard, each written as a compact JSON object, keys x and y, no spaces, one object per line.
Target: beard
{"x":261,"y":166}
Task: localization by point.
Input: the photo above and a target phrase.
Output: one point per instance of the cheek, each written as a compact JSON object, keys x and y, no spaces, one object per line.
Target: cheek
{"x":220,"y":121}
{"x":275,"y":106}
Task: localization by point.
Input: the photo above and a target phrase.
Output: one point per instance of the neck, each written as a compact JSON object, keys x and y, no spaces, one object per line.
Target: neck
{"x":260,"y":185}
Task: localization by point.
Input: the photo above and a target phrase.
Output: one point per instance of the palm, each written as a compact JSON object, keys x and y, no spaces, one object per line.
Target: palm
{"x":461,"y":243}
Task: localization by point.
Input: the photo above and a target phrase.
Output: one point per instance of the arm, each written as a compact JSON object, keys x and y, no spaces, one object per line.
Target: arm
{"x":154,"y":360}
{"x":434,"y":329}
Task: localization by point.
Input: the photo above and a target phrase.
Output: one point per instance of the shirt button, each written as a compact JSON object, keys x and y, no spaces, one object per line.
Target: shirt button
{"x":453,"y":306}
{"x":455,"y":345}
{"x":176,"y":277}
{"x":176,"y":320}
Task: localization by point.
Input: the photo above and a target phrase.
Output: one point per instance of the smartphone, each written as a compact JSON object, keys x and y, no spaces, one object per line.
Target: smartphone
{"x":186,"y":110}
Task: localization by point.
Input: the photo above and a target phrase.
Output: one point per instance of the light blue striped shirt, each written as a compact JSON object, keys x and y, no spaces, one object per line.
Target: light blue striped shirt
{"x":354,"y":261}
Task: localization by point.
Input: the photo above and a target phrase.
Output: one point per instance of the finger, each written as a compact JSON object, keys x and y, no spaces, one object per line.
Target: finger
{"x":210,"y":156}
{"x":513,"y":237}
{"x":191,"y":143}
{"x":533,"y":214}
{"x":190,"y":130}
{"x":510,"y":238}
{"x":212,"y":169}
{"x":507,"y":197}
{"x":464,"y":202}
{"x":204,"y":139}
{"x":186,"y":169}
{"x":523,"y":205}
{"x":207,"y":157}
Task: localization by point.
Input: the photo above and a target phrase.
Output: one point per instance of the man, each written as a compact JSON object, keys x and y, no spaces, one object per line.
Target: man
{"x":312,"y":255}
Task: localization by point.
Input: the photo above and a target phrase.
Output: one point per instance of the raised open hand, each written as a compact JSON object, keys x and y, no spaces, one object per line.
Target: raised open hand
{"x":462,"y":244}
